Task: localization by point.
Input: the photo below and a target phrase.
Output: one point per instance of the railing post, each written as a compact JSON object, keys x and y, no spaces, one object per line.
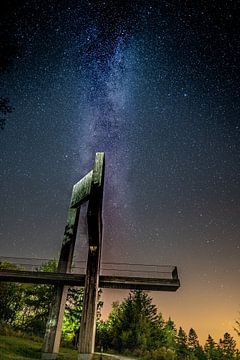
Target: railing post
{"x":175,"y":273}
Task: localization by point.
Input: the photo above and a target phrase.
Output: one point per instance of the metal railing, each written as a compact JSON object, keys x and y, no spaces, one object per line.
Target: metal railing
{"x":79,"y":267}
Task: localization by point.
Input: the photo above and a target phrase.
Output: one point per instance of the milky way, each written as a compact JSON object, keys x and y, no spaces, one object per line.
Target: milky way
{"x":156,"y":86}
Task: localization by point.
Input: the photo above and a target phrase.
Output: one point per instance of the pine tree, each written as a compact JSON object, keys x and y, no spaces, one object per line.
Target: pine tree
{"x":170,"y":333}
{"x":228,"y":347}
{"x":211,"y":349}
{"x":237,"y":328}
{"x":193,"y":341}
{"x":182,"y":346}
{"x":194,"y":347}
{"x":135,"y":324}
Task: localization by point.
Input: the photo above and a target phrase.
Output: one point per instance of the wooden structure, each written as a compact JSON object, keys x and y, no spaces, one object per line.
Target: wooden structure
{"x":89,"y":188}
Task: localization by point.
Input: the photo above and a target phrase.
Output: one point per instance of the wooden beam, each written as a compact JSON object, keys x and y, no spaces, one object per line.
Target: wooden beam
{"x":114,"y":282}
{"x":94,"y":220}
{"x":81,"y":190}
{"x":53,"y":332}
{"x":139,"y":283}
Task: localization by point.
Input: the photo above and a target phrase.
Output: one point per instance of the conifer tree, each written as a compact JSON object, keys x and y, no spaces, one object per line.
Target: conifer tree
{"x":237,"y":327}
{"x":194,"y":347}
{"x":211,"y":349}
{"x":170,"y":333}
{"x":182,"y":346}
{"x":193,"y":341}
{"x":227,"y":346}
{"x":134,"y":324}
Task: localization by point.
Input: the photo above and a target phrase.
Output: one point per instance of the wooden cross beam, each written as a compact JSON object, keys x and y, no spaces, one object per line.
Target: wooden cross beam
{"x":105,"y":281}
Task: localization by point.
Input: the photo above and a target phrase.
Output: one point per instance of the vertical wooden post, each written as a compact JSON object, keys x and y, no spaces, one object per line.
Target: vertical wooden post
{"x":53,"y":332}
{"x":94,"y":217}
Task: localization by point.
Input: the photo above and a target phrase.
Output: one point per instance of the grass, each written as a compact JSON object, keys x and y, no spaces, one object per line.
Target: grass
{"x":21,"y":348}
{"x":16,"y":348}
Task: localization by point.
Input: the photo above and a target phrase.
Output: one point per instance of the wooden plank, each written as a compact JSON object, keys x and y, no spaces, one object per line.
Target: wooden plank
{"x":139,"y":283}
{"x":119,"y":282}
{"x":94,"y":219}
{"x":98,"y":170}
{"x":53,"y":278}
{"x":81,"y":190}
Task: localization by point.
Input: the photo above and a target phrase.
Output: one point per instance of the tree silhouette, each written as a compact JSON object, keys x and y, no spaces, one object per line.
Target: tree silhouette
{"x":9,"y":50}
{"x":211,"y":349}
{"x":182,"y":346}
{"x":194,"y":347}
{"x":237,"y":328}
{"x":227,"y":347}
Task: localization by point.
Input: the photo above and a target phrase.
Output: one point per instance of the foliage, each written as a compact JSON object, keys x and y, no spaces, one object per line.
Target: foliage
{"x":5,"y":108}
{"x":132,"y":326}
{"x":195,"y":349}
{"x":193,"y":342}
{"x":169,"y":333}
{"x":36,"y":306}
{"x":182,"y":346}
{"x":26,"y":306}
{"x":9,"y":51}
{"x":227,"y":347}
{"x":10,"y":297}
{"x":211,"y":349}
{"x":237,"y":328}
{"x":72,"y":315}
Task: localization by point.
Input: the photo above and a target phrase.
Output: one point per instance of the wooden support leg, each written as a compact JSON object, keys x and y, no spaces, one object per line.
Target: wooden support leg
{"x":89,"y":313}
{"x":54,"y":326}
{"x":94,"y":219}
{"x":53,"y":332}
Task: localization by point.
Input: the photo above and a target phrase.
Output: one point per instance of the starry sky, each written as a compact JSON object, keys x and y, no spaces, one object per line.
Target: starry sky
{"x":155,"y":85}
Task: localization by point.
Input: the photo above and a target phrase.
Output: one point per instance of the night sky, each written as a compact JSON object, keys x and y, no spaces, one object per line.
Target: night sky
{"x":155,"y":85}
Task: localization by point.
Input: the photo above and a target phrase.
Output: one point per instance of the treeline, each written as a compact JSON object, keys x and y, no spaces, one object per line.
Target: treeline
{"x":134,"y":326}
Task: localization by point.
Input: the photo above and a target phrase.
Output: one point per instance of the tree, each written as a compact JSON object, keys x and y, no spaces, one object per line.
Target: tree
{"x":10,"y":297}
{"x":211,"y":350}
{"x":237,"y":328}
{"x":194,"y":347}
{"x":227,"y":346}
{"x":5,"y":108}
{"x":182,"y":346}
{"x":193,"y":341}
{"x":72,"y":315}
{"x":33,"y":315}
{"x":134,"y":324}
{"x":9,"y":49}
{"x":170,"y":333}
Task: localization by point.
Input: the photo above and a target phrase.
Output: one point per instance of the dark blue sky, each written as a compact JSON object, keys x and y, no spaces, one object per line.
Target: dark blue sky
{"x":156,"y":86}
